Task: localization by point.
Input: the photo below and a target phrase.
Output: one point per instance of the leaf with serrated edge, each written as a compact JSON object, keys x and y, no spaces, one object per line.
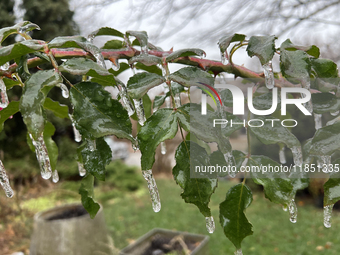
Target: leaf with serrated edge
{"x":86,"y":192}
{"x":184,"y":53}
{"x":190,"y":76}
{"x":263,"y":47}
{"x":196,"y":191}
{"x":225,"y":41}
{"x":107,"y":31}
{"x":96,"y":114}
{"x":232,"y":218}
{"x":140,"y":83}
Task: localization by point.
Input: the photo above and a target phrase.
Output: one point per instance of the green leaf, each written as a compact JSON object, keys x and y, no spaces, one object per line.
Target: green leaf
{"x":326,"y":140}
{"x":52,"y":148}
{"x":19,"y":49}
{"x":95,"y":160}
{"x":196,"y":191}
{"x":190,"y":76}
{"x":185,"y":53}
{"x":332,"y":188}
{"x":311,"y":50}
{"x":33,"y":98}
{"x":277,"y":187}
{"x":83,"y":66}
{"x":147,"y":104}
{"x":150,"y":69}
{"x":162,"y":125}
{"x":6,"y":113}
{"x":106,"y":31}
{"x":86,"y":192}
{"x":201,"y":126}
{"x":158,"y":101}
{"x":325,"y":102}
{"x":262,"y":47}
{"x":264,"y":101}
{"x":76,"y":41}
{"x":295,"y":65}
{"x":232,"y":218}
{"x":22,"y":68}
{"x":24,"y":25}
{"x":10,"y":83}
{"x":96,"y":114}
{"x":113,"y":44}
{"x":225,"y":41}
{"x":147,"y":60}
{"x":325,"y":68}
{"x":141,"y":36}
{"x":217,"y":158}
{"x":140,"y":83}
{"x":58,"y":109}
{"x":273,"y":132}
{"x":228,"y":130}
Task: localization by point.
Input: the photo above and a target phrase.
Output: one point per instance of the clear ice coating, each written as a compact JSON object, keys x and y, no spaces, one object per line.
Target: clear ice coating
{"x":5,"y":182}
{"x":327,"y":215}
{"x":210,"y":224}
{"x":297,"y":155}
{"x":317,"y":120}
{"x":285,"y":208}
{"x":230,"y":162}
{"x":124,"y":96}
{"x":42,"y":156}
{"x":115,"y":64}
{"x":156,"y":202}
{"x":91,"y":144}
{"x":163,"y":148}
{"x":77,"y":135}
{"x":331,"y":122}
{"x":238,"y":252}
{"x":224,"y":58}
{"x":81,"y":169}
{"x":140,"y":111}
{"x":245,"y":162}
{"x":292,"y":210}
{"x":95,"y":51}
{"x":64,"y":90}
{"x":269,"y":75}
{"x":282,"y":155}
{"x":5,"y":66}
{"x":55,"y":176}
{"x":3,"y":94}
{"x":334,"y":113}
{"x":177,"y":99}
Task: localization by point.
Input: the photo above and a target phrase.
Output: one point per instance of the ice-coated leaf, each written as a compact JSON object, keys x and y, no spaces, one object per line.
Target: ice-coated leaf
{"x":162,"y":125}
{"x":113,"y":44}
{"x":175,"y":88}
{"x":87,"y":195}
{"x":325,"y":102}
{"x":24,"y":25}
{"x":277,"y":187}
{"x":147,"y":60}
{"x":325,"y":68}
{"x":311,"y":50}
{"x":123,"y":67}
{"x":190,"y":76}
{"x":228,"y":130}
{"x":107,"y":31}
{"x":6,"y":113}
{"x":332,"y":188}
{"x":184,"y":53}
{"x":235,"y":225}
{"x":158,"y":101}
{"x":295,"y":65}
{"x":217,"y":158}
{"x":22,"y":68}
{"x":10,"y":83}
{"x":140,"y":83}
{"x":226,"y":40}
{"x":19,"y":49}
{"x":141,"y":36}
{"x":262,"y":47}
{"x":58,"y":109}
{"x":33,"y":98}
{"x":150,"y":69}
{"x":95,"y":160}
{"x":196,"y":191}
{"x":96,"y":114}
{"x":264,"y":101}
{"x":326,"y":140}
{"x":75,"y":41}
{"x":83,"y":66}
{"x":201,"y":126}
{"x":147,"y":104}
{"x":273,"y":132}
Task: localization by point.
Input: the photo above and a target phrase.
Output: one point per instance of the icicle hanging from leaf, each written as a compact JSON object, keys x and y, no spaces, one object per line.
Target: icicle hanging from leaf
{"x":125,"y":98}
{"x":55,"y":176}
{"x":292,"y":211}
{"x":210,"y":224}
{"x":327,"y":215}
{"x":42,"y":156}
{"x":282,"y":155}
{"x":3,"y":95}
{"x":64,"y":90}
{"x":140,"y":111}
{"x":77,"y":135}
{"x":229,"y":158}
{"x":81,"y":169}
{"x":269,"y":75}
{"x":5,"y":182}
{"x":156,"y":203}
{"x":297,"y":155}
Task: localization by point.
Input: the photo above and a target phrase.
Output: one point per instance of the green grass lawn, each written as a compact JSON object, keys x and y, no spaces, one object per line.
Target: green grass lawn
{"x":131,"y":216}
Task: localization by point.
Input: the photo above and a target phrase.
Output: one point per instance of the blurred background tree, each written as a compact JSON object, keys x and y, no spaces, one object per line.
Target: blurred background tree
{"x":53,"y":16}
